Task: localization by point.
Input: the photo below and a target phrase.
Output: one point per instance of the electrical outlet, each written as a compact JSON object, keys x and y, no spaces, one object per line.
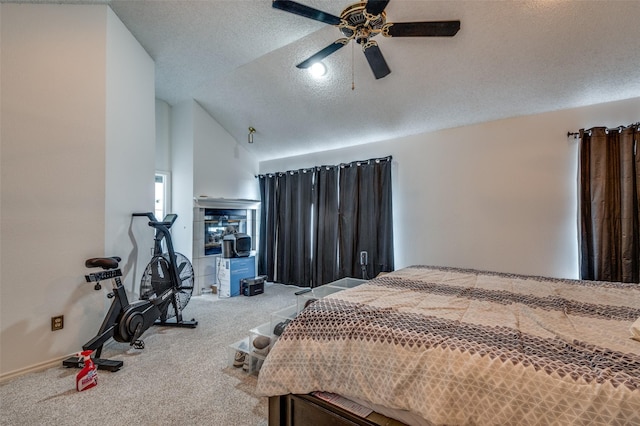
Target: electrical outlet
{"x":57,"y":323}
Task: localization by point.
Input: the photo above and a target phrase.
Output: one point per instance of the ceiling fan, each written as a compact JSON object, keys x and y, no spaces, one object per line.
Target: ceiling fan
{"x":363,"y":21}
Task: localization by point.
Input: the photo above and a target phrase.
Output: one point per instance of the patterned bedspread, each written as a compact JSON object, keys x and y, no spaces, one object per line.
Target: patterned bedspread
{"x":467,"y":347}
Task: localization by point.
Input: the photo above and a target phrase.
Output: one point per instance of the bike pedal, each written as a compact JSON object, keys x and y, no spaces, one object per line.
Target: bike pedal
{"x":138,"y":344}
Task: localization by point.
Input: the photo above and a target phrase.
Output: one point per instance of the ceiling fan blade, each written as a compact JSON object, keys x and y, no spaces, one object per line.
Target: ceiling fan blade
{"x":306,"y":11}
{"x":324,"y":53}
{"x":375,"y":7}
{"x":421,"y":29}
{"x":376,"y":60}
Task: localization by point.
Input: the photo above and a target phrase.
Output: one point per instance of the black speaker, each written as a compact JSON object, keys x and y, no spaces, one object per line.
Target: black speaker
{"x":252,"y":286}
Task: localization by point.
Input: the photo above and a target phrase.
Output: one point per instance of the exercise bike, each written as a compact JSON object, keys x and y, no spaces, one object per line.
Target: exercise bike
{"x":165,"y":289}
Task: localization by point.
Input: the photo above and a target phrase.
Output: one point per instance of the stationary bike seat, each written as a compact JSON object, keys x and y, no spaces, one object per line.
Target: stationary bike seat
{"x":103,"y":262}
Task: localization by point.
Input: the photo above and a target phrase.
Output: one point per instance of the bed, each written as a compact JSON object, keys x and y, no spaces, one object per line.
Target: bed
{"x":433,"y":345}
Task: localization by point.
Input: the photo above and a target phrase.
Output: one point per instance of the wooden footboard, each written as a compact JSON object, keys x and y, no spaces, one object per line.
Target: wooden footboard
{"x":307,"y":410}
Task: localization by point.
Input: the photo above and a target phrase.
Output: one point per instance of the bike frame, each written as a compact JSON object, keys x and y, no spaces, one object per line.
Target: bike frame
{"x":163,"y":234}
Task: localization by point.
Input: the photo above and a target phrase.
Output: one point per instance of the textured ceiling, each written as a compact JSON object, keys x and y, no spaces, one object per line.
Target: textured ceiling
{"x":237,"y":59}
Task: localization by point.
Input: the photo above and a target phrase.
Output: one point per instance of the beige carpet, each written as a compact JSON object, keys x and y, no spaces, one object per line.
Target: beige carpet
{"x":181,"y":377}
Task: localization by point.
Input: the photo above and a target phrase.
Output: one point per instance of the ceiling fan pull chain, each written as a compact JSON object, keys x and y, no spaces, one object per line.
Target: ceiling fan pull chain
{"x":353,"y":81}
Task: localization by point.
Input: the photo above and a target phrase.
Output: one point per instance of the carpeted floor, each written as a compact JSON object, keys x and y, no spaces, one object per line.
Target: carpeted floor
{"x":181,"y":377}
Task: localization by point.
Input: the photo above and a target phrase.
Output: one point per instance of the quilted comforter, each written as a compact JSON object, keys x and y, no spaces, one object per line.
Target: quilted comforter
{"x":467,"y":347}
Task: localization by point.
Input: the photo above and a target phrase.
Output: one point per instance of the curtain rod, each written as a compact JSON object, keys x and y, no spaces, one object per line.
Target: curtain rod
{"x":576,"y":135}
{"x":309,"y":169}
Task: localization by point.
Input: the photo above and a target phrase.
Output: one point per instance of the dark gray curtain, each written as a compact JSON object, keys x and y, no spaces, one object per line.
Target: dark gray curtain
{"x":366,"y":222}
{"x":293,"y":223}
{"x":610,"y":204}
{"x":314,"y":223}
{"x":266,"y":245}
{"x":325,"y":266}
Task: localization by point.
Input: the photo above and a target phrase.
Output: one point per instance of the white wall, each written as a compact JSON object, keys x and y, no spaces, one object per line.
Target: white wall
{"x":59,"y":126}
{"x":496,"y":196}
{"x":182,"y":175}
{"x":163,"y":136}
{"x":222,"y":167}
{"x":130,"y":152}
{"x":53,"y":192}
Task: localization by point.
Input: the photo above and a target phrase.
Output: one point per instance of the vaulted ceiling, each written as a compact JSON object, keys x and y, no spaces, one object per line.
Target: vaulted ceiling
{"x":237,"y":59}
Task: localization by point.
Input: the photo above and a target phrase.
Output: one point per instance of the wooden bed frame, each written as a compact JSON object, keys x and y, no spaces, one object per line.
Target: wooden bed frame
{"x":307,"y":410}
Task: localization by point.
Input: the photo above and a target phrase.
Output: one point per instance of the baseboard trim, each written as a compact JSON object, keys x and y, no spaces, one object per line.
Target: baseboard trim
{"x":34,"y":368}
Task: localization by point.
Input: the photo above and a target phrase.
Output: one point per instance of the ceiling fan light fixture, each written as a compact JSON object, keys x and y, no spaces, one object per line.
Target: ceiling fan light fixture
{"x":361,"y":22}
{"x":318,"y":70}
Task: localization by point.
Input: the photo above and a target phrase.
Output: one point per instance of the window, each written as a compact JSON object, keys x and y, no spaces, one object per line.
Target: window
{"x":162,"y":194}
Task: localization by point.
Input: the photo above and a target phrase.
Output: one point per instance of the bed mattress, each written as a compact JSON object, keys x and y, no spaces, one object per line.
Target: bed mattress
{"x":454,"y":346}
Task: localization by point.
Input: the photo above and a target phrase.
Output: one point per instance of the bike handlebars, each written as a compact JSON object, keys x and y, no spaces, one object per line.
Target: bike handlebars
{"x":168,"y":220}
{"x":150,"y":215}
